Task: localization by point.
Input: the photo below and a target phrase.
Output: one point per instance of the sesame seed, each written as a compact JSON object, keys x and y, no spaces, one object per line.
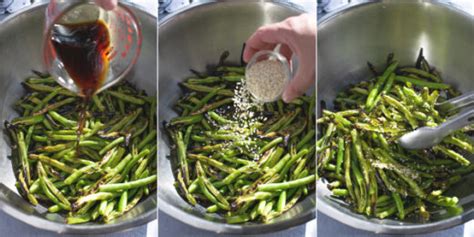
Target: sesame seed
{"x":245,"y":116}
{"x":266,"y":80}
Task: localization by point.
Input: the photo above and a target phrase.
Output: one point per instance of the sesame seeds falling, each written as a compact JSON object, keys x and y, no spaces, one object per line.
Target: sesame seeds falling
{"x":244,"y":104}
{"x":246,"y":120}
{"x":266,"y":80}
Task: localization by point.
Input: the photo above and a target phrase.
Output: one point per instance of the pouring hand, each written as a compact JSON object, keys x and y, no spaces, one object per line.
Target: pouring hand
{"x":107,"y":4}
{"x":297,"y":36}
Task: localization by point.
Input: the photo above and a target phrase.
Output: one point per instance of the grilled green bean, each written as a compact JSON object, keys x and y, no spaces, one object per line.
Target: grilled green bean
{"x":363,"y":163}
{"x":71,"y":171}
{"x":235,"y":151}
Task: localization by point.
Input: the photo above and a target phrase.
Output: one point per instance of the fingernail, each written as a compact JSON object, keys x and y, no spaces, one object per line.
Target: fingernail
{"x":287,"y":98}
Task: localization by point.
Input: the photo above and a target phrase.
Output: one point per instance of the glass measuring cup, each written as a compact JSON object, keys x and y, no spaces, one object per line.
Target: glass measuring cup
{"x":125,"y":39}
{"x":264,"y":87}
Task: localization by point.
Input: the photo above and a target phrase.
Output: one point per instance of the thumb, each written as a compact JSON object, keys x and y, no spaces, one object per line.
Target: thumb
{"x":107,"y":4}
{"x":303,"y":80}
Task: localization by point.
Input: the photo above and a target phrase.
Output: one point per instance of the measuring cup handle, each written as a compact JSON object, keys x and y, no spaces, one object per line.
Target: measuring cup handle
{"x":277,"y":48}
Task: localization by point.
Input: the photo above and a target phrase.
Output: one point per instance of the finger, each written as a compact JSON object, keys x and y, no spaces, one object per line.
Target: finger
{"x":250,"y":51}
{"x":262,"y":38}
{"x":107,"y":4}
{"x":299,"y":84}
{"x":285,"y":50}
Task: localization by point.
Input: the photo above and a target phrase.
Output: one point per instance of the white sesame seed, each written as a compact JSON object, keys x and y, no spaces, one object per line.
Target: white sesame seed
{"x":266,"y":80}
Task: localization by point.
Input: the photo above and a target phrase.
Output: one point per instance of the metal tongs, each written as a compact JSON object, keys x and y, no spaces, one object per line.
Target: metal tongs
{"x":426,"y":137}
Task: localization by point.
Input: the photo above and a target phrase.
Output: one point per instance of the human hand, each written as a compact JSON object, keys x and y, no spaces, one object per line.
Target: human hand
{"x":107,"y":4}
{"x":297,"y":36}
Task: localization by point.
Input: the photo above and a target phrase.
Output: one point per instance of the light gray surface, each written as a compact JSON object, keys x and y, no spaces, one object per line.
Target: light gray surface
{"x":330,"y":227}
{"x":12,"y":227}
{"x":171,"y":227}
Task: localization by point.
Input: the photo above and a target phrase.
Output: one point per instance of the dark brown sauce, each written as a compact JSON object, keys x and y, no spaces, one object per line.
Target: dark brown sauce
{"x":83,"y":49}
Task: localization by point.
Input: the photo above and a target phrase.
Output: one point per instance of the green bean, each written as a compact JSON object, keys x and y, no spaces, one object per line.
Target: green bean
{"x":186,"y":120}
{"x":200,"y":88}
{"x":211,"y":162}
{"x":340,"y":155}
{"x":213,"y":106}
{"x":421,"y":73}
{"x":287,"y":185}
{"x":29,"y":120}
{"x":209,"y":196}
{"x":402,"y":108}
{"x":421,"y":83}
{"x":309,"y":135}
{"x":97,"y":102}
{"x":52,"y":162}
{"x":181,"y":151}
{"x":128,"y":185}
{"x":452,"y":154}
{"x":78,"y":173}
{"x":235,"y":150}
{"x":126,"y":121}
{"x":281,"y":201}
{"x":54,"y":208}
{"x":46,"y":99}
{"x":55,"y":105}
{"x":122,"y":204}
{"x":147,"y":139}
{"x":188,"y":192}
{"x":23,"y":154}
{"x":274,"y":158}
{"x":136,"y":158}
{"x":254,"y":196}
{"x":35,"y":80}
{"x":269,"y":145}
{"x":293,"y":159}
{"x":94,"y":197}
{"x":206,"y":99}
{"x":111,"y":145}
{"x":375,"y":154}
{"x":374,"y":93}
{"x":219,"y":118}
{"x":187,"y":135}
{"x":237,"y":78}
{"x":237,"y":219}
{"x":340,"y":192}
{"x":360,"y":156}
{"x":78,"y":219}
{"x":50,"y":190}
{"x":213,"y":192}
{"x":45,"y":88}
{"x":62,"y":120}
{"x":127,"y":98}
{"x":347,"y":170}
{"x":207,"y":80}
{"x":465,"y":145}
{"x":386,"y":89}
{"x":399,"y":205}
{"x":72,"y":170}
{"x":239,"y":70}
